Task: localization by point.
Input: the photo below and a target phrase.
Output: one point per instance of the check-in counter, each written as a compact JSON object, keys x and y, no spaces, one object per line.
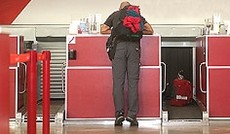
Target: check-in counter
{"x":213,"y":67}
{"x":89,"y":78}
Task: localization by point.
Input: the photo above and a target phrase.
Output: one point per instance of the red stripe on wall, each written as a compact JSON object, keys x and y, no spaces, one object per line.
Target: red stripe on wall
{"x":10,"y":9}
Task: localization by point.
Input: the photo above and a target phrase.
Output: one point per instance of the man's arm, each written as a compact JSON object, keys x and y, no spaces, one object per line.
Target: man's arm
{"x":148,"y":29}
{"x":105,"y":29}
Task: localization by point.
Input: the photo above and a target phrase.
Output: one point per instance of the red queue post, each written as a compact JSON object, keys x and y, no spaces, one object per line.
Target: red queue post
{"x":32,"y":92}
{"x":45,"y":57}
{"x":31,"y":58}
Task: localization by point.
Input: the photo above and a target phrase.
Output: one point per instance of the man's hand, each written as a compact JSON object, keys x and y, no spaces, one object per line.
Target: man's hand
{"x":148,"y":29}
{"x":105,"y":29}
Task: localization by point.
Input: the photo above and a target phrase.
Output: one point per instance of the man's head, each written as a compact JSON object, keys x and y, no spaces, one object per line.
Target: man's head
{"x":123,"y":4}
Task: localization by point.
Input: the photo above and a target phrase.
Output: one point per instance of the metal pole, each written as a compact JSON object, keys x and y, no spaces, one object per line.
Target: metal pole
{"x":32,"y":93}
{"x":46,"y":92}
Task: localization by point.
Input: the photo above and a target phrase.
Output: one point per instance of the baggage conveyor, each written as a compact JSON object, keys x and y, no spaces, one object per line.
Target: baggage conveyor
{"x":179,"y":53}
{"x":56,"y":111}
{"x":190,"y":111}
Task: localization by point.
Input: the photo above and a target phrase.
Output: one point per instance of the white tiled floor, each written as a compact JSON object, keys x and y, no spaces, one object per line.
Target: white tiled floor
{"x":218,"y":127}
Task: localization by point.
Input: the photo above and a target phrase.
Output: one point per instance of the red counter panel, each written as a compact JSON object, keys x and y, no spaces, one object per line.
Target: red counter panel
{"x":90,"y":51}
{"x":89,"y":93}
{"x":149,"y":93}
{"x":218,"y":50}
{"x":215,"y":48}
{"x":219,"y":97}
{"x":150,"y":51}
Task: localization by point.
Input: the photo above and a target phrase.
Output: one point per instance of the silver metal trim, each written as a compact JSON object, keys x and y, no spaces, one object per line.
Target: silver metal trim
{"x":201,"y":88}
{"x":59,"y":116}
{"x":89,"y":67}
{"x":11,"y":68}
{"x":178,"y":44}
{"x":66,"y":92}
{"x":143,"y":122}
{"x":219,"y":118}
{"x":165,"y":116}
{"x":104,"y":67}
{"x":184,"y":122}
{"x":194,"y":73}
{"x":160,"y":77}
{"x":205,"y":117}
{"x":62,"y":83}
{"x":206,"y":47}
{"x":207,"y":75}
{"x":219,"y":67}
{"x":165,"y":77}
{"x":25,"y":78}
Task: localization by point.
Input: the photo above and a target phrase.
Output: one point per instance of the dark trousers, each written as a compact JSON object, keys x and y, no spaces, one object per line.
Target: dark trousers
{"x":126,"y":63}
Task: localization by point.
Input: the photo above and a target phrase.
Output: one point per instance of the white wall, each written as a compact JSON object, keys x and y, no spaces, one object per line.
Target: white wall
{"x":155,"y":11}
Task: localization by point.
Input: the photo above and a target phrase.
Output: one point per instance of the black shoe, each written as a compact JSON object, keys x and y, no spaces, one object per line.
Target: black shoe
{"x":119,"y":119}
{"x":133,"y":121}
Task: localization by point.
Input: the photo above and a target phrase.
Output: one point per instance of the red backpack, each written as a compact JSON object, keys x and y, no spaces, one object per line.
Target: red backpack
{"x":131,"y":23}
{"x":183,"y":91}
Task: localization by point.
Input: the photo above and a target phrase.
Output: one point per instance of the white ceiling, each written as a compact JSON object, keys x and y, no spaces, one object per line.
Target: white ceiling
{"x":155,"y":11}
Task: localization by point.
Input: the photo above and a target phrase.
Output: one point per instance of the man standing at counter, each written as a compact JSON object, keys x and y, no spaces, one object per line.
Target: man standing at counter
{"x":126,"y":61}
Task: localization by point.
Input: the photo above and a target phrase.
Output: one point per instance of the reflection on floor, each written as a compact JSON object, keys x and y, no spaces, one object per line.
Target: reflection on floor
{"x":56,"y":105}
{"x":213,"y":128}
